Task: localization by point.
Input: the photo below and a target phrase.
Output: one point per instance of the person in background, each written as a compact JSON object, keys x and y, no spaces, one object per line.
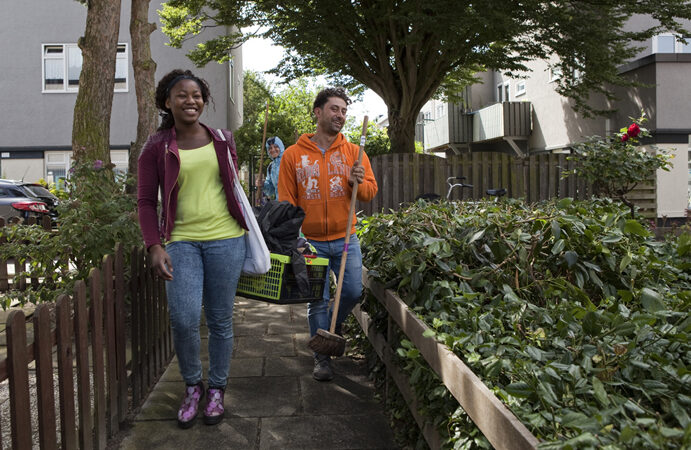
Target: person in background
{"x":275,"y":149}
{"x":318,"y":174}
{"x":197,"y":244}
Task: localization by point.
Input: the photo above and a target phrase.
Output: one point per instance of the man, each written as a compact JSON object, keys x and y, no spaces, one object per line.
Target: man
{"x":318,"y":174}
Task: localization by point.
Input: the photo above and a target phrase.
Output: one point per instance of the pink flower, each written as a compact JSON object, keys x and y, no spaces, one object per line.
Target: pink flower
{"x":634,"y":130}
{"x":624,"y":137}
{"x":98,"y":164}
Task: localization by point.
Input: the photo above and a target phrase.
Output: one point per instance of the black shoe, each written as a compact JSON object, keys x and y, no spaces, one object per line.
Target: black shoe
{"x":322,"y":368}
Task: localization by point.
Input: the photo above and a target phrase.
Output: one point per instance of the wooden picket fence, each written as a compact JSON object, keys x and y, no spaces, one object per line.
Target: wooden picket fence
{"x":403,"y":177}
{"x":82,"y":340}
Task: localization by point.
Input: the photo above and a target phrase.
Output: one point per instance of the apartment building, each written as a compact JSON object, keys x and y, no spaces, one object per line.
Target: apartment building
{"x":41,"y":63}
{"x":525,"y":115}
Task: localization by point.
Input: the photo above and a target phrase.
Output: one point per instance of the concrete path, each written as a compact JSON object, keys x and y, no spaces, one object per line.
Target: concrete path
{"x":272,"y":401}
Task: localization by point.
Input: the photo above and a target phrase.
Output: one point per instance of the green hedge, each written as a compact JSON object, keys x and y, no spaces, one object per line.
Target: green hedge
{"x":571,"y":312}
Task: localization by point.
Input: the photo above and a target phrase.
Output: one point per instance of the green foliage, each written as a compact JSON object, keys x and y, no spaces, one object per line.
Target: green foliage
{"x":570,"y":312}
{"x":96,"y":215}
{"x":616,"y":164}
{"x":377,"y":142}
{"x":405,"y":51}
{"x":289,"y":112}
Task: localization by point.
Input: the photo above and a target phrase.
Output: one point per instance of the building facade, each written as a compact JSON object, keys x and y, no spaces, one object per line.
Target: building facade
{"x":525,"y":115}
{"x":41,"y":64}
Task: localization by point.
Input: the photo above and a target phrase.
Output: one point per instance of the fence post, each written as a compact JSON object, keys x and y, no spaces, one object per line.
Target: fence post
{"x":99,"y":389}
{"x":18,"y":372}
{"x":43,"y":349}
{"x":121,"y":332}
{"x":109,"y":318}
{"x":135,"y":278}
{"x":81,"y":338}
{"x":68,"y":436}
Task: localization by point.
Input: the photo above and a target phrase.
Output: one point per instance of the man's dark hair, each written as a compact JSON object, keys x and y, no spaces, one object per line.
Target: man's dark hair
{"x":325,"y":94}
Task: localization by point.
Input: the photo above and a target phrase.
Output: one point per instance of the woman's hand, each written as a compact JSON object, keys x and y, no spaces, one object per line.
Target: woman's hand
{"x":160,"y":261}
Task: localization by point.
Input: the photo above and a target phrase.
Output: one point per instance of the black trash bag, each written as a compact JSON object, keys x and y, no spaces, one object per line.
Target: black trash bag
{"x":280,"y":223}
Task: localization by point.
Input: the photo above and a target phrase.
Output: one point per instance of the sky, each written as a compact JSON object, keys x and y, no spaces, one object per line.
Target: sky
{"x":260,"y":55}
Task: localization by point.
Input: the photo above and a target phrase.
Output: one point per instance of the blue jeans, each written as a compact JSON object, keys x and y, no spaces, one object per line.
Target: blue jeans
{"x":204,"y":273}
{"x":318,"y":312}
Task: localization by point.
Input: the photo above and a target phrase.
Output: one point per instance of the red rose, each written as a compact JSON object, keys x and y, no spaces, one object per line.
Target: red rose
{"x":634,"y":130}
{"x":624,"y":137}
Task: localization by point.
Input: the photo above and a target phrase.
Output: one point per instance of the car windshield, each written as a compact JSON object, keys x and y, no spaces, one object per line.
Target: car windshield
{"x":38,"y":191}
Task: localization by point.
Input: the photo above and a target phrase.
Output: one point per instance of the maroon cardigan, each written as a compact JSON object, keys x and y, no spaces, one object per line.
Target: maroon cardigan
{"x":159,"y":167}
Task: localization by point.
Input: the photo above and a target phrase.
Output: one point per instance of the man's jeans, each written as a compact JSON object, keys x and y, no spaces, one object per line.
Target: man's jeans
{"x":318,"y":312}
{"x":204,"y":272}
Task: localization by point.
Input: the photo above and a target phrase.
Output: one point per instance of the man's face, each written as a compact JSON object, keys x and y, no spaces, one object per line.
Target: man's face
{"x":331,"y":117}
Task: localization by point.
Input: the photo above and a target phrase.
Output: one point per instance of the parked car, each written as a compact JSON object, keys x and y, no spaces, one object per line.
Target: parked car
{"x":24,"y":200}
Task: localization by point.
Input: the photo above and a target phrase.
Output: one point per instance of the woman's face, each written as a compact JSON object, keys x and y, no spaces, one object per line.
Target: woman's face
{"x":274,"y":151}
{"x":185,"y":102}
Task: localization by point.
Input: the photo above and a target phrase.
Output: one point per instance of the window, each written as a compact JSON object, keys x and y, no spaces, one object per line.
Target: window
{"x":57,"y":165}
{"x":520,"y":88}
{"x":231,"y":79}
{"x":554,"y":73}
{"x":667,"y":43}
{"x":503,"y":92}
{"x":440,"y":110}
{"x":428,"y":115}
{"x":62,"y":64}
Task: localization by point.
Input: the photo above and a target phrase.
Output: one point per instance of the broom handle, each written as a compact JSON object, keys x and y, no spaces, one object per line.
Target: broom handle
{"x":258,"y":196}
{"x":344,"y":256}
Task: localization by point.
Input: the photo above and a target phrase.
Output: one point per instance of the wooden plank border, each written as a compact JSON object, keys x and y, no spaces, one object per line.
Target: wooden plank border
{"x":503,"y":430}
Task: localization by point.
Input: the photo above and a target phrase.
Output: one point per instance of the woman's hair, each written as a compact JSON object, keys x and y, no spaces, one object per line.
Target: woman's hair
{"x":165,"y":85}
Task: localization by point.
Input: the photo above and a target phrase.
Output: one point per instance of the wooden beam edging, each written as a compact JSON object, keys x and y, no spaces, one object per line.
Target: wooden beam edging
{"x":381,"y":346}
{"x":501,"y":428}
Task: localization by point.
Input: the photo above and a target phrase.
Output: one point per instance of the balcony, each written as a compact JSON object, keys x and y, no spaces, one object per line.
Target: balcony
{"x":496,"y":125}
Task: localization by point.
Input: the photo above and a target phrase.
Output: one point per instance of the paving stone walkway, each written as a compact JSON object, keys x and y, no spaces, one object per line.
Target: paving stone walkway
{"x":272,"y":401}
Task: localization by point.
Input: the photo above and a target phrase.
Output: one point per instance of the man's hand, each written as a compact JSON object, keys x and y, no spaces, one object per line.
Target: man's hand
{"x":357,"y":174}
{"x":160,"y":261}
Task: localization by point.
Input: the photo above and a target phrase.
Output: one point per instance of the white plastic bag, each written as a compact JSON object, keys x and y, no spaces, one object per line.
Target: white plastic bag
{"x":257,"y":257}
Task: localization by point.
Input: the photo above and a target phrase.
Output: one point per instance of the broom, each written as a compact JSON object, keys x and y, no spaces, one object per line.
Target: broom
{"x":328,"y":342}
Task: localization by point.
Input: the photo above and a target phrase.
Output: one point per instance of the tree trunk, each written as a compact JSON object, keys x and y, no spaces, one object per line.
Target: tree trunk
{"x":144,"y":80}
{"x":91,"y":128}
{"x":402,"y":132}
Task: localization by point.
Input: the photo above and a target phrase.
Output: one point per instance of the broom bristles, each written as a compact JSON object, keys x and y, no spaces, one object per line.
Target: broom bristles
{"x":326,"y":343}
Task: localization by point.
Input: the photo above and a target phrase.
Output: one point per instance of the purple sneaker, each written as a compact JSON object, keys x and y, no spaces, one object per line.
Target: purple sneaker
{"x":214,"y":411}
{"x":190,"y":405}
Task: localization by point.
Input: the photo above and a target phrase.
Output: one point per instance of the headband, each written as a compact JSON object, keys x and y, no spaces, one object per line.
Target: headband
{"x":175,"y":81}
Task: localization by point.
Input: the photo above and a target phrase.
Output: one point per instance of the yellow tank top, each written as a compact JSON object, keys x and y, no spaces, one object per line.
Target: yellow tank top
{"x":202,"y":212}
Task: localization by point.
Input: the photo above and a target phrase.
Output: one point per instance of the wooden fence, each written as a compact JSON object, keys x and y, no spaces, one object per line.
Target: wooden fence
{"x":501,"y":428}
{"x":20,"y":283}
{"x":82,"y":341}
{"x":402,"y":177}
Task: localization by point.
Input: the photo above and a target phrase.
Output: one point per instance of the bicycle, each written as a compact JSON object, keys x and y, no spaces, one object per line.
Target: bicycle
{"x":454,"y":182}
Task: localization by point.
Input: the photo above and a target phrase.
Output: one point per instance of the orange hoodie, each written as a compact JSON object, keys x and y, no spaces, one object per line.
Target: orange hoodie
{"x":318,"y":183}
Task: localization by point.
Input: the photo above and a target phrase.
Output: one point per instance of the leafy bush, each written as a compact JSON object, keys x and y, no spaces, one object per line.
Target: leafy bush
{"x":569,"y":311}
{"x":95,"y":216}
{"x":616,"y":164}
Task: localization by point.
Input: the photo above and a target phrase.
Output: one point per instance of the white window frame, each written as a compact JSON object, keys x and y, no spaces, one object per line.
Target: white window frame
{"x":440,"y":110}
{"x":520,"y":88}
{"x":678,"y":45}
{"x":504,"y":91}
{"x":66,"y":47}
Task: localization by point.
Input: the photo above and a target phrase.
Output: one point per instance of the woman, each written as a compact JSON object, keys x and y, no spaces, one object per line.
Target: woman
{"x":275,"y":149}
{"x":197,"y":246}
